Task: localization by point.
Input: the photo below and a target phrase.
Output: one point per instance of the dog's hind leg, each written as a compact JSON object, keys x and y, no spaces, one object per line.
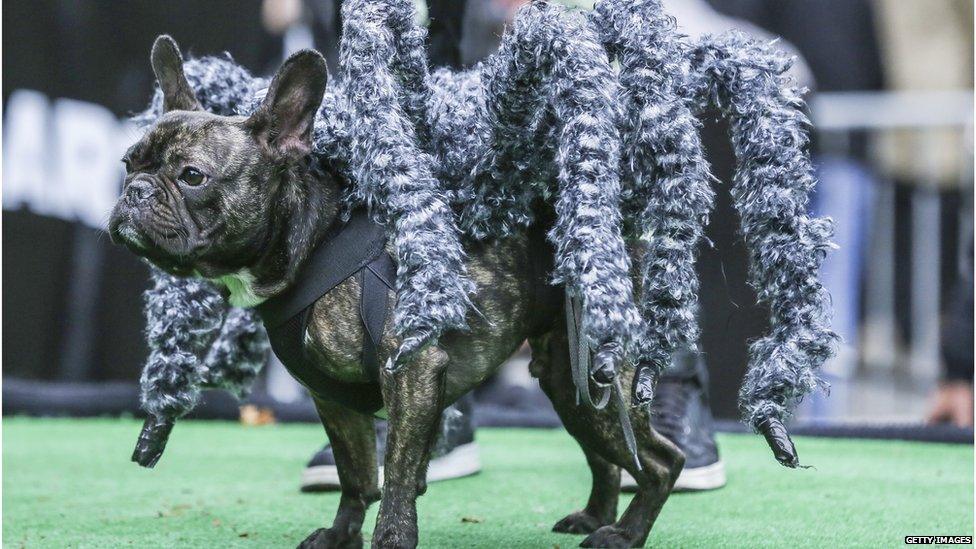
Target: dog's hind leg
{"x":599,"y":431}
{"x":353,"y":441}
{"x":601,"y":507}
{"x":414,"y":396}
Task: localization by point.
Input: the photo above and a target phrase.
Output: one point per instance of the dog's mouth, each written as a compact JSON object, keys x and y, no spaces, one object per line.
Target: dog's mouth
{"x":168,"y":249}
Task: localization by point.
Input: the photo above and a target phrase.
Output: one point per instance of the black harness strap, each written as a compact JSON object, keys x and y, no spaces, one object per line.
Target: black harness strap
{"x":342,"y":254}
{"x":357,"y":248}
{"x":376,"y":280}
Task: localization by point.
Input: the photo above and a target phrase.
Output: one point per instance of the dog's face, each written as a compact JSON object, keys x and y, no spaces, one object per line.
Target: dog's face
{"x":206,"y":195}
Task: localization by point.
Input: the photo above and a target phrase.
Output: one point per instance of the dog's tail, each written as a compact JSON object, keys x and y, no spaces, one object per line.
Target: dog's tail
{"x":747,"y":80}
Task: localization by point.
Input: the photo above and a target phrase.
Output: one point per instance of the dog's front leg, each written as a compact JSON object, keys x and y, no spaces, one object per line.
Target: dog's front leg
{"x":353,"y":441}
{"x":413,"y":396}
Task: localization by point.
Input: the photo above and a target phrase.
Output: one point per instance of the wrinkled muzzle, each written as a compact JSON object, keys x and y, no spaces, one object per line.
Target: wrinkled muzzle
{"x":148,"y":224}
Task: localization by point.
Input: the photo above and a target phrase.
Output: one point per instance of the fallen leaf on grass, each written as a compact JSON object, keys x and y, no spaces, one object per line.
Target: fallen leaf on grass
{"x":252,"y":416}
{"x":173,"y":511}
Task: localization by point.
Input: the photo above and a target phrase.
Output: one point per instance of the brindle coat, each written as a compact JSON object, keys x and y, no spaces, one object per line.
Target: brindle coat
{"x":253,"y":219}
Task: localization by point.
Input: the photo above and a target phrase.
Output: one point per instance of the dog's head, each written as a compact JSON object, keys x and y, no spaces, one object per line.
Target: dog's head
{"x":227,"y":198}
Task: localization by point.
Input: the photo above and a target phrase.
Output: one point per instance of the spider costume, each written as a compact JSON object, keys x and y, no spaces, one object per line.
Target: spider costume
{"x":593,"y":112}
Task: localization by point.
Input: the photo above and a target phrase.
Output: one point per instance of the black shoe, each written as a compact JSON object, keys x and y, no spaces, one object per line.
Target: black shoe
{"x":680,"y":412}
{"x":454,"y":455}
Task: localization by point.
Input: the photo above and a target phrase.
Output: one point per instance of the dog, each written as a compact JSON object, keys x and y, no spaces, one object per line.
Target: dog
{"x":242,"y":202}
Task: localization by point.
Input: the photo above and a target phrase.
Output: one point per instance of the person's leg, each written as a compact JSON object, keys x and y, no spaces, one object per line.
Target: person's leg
{"x":446,"y":22}
{"x":455,"y":453}
{"x":680,"y":412}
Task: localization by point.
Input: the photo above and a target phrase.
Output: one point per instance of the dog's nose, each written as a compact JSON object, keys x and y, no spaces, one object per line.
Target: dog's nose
{"x":140,"y":191}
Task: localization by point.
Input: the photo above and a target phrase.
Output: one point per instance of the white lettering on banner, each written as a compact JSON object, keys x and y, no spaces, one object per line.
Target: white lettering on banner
{"x":63,"y":161}
{"x":24,"y":157}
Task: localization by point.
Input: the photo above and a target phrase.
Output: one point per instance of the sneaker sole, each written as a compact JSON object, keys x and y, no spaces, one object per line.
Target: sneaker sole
{"x":698,"y":479}
{"x":460,"y":462}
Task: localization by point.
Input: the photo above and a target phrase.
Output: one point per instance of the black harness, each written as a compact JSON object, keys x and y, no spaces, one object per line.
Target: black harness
{"x":356,"y":248}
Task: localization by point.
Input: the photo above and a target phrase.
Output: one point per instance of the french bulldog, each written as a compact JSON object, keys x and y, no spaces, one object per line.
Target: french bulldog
{"x":242,"y":201}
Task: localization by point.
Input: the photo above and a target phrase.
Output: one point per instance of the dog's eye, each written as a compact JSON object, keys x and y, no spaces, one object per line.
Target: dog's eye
{"x":192,"y":176}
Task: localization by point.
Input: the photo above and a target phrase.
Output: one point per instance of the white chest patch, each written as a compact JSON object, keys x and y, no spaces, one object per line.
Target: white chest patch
{"x":241,"y":288}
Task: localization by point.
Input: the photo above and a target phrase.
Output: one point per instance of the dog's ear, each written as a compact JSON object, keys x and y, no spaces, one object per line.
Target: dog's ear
{"x":167,"y":63}
{"x":283,"y":123}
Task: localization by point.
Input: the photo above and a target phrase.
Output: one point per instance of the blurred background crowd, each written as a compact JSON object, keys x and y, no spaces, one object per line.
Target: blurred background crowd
{"x":891,"y":103}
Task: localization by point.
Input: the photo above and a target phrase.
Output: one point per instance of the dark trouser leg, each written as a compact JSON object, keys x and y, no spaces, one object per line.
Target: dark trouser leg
{"x":681,"y":413}
{"x":446,"y":25}
{"x":354,"y":446}
{"x":413,"y":397}
{"x":687,"y":366}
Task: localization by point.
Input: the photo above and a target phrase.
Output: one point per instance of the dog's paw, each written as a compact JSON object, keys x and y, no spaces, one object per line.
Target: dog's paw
{"x":611,"y":536}
{"x":579,"y":522}
{"x":330,"y":538}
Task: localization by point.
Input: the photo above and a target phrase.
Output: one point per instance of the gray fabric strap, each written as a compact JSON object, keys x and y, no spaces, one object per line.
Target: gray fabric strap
{"x":628,"y":429}
{"x":579,"y":355}
{"x":376,"y":280}
{"x":579,"y":360}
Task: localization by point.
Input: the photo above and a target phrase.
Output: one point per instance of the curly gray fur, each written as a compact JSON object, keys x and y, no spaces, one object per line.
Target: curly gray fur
{"x":591,"y":257}
{"x":773,"y":179}
{"x":668,"y":195}
{"x":237,"y":354}
{"x":393,"y":175}
{"x":551,"y":80}
{"x":196,"y":341}
{"x":183,"y":317}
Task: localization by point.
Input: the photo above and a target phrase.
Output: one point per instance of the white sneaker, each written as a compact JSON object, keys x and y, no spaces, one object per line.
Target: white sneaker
{"x":321,"y":474}
{"x":697,"y":479}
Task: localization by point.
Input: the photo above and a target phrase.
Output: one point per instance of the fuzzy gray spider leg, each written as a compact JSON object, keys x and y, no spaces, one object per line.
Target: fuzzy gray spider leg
{"x":195,"y":341}
{"x":669,"y":195}
{"x":394,"y":176}
{"x":411,"y":68}
{"x":590,"y":252}
{"x":183,"y":317}
{"x":773,"y":179}
{"x":509,"y":128}
{"x":551,"y":84}
{"x":237,"y":355}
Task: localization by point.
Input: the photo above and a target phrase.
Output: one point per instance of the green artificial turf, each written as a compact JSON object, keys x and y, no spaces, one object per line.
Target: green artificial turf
{"x":69,"y":483}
